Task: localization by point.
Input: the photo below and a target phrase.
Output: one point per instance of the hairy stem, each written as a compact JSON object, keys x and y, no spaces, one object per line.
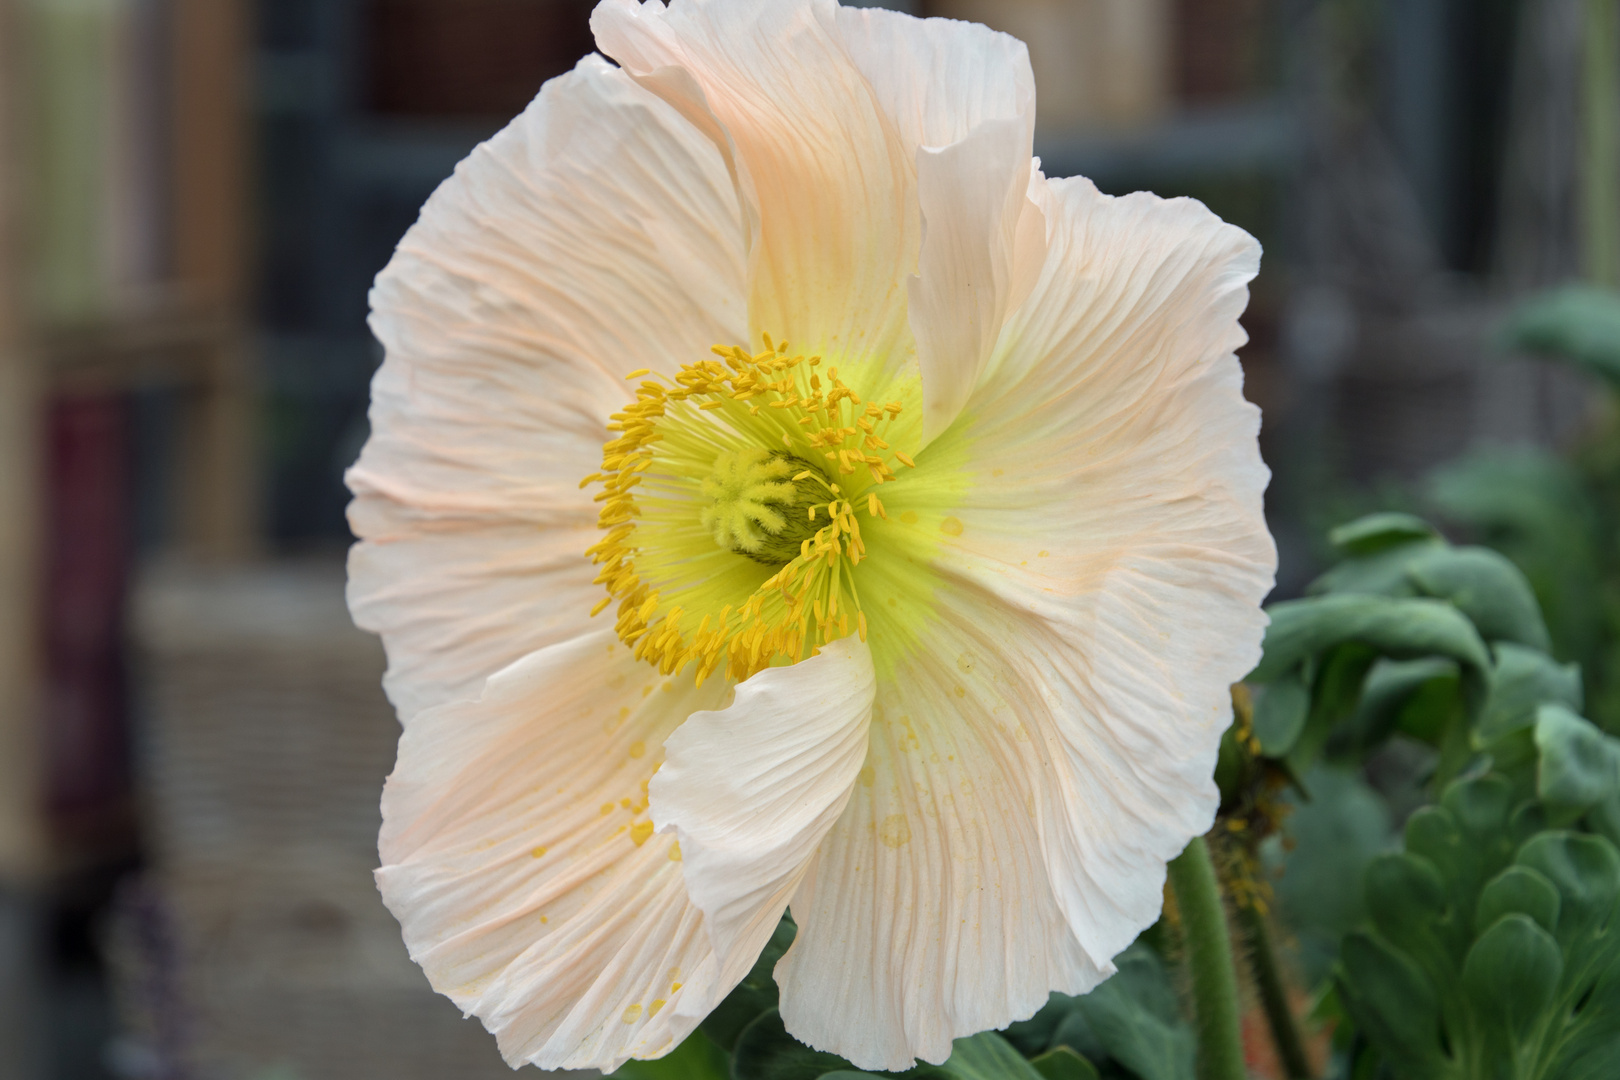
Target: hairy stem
{"x":1274,"y":994}
{"x":1209,"y":960}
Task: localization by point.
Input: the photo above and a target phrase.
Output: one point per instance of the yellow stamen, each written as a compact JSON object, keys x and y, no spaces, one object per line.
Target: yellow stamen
{"x":708,"y":459}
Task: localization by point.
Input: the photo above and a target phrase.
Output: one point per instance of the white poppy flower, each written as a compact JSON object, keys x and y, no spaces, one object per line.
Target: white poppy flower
{"x":932,"y":540}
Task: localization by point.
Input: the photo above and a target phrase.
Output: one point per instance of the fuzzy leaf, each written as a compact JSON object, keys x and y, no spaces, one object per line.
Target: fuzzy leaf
{"x":1520,"y":682}
{"x":1402,"y":628}
{"x":765,"y":1051}
{"x":1579,"y":767}
{"x":1280,"y":710}
{"x":1135,"y":1017}
{"x":987,"y":1056}
{"x":1578,"y":324}
{"x":1375,"y":532}
{"x":1521,"y":890}
{"x":1512,"y":973}
{"x":1062,"y":1063}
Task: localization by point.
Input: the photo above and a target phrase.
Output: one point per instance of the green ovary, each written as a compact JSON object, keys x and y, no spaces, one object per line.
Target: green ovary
{"x":756,"y":507}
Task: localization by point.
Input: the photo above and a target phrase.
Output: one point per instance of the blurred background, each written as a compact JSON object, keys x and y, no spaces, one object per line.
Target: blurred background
{"x":194,"y":198}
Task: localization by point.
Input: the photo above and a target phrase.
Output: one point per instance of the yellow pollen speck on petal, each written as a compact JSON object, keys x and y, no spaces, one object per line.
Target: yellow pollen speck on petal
{"x":607,"y":808}
{"x":951,"y":526}
{"x":625,"y":803}
{"x":632,"y":1014}
{"x":959,"y":691}
{"x":652,"y":1010}
{"x":673,"y":987}
{"x":544,"y":920}
{"x":675,"y":856}
{"x":1042,"y":554}
{"x":640,"y":831}
{"x":638,"y":748}
{"x":895,"y":831}
{"x":538,"y":852}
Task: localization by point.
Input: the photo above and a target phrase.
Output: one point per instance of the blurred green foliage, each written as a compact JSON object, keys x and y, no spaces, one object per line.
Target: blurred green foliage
{"x":1489,"y":943}
{"x":1558,"y":518}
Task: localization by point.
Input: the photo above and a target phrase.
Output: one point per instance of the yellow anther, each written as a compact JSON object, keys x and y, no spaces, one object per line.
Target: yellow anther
{"x":706,"y":410}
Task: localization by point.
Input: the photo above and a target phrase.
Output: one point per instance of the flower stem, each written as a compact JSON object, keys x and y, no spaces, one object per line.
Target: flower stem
{"x":1209,"y":959}
{"x":1274,"y":994}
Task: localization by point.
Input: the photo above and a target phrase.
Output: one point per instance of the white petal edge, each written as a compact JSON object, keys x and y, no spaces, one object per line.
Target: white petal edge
{"x":1054,"y":730}
{"x":829,"y":183}
{"x":596,"y":234}
{"x":1116,"y":525}
{"x":750,"y":790}
{"x":527,"y":881}
{"x":928,"y":913}
{"x":963,"y":98}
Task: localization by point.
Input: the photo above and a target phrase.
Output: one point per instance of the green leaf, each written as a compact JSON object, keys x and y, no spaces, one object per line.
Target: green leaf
{"x":1063,"y":1063}
{"x":1586,"y":871}
{"x":1376,"y":532}
{"x":1404,"y":896}
{"x":1579,"y":767}
{"x":1521,"y":890}
{"x":1578,"y":324}
{"x":1280,"y":709}
{"x":1512,"y":973}
{"x":1335,"y":835}
{"x":1136,"y":1018}
{"x":1392,"y":1001}
{"x":1520,"y":682}
{"x":1419,"y":697}
{"x":987,"y":1056}
{"x":1341,"y":672}
{"x":753,"y":996}
{"x":1485,"y":586}
{"x":1534,"y":507}
{"x":1030,"y":1037}
{"x":1380,"y":573}
{"x":1075,"y":1031}
{"x":696,"y":1058}
{"x":765,"y":1051}
{"x":1401,"y":628}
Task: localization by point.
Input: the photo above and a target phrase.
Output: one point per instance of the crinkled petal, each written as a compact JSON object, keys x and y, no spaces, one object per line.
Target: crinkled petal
{"x":869,"y":146}
{"x":519,"y":859}
{"x":928,"y":912}
{"x":750,"y":790}
{"x":598,"y":233}
{"x":815,"y":159}
{"x":963,"y":99}
{"x":1116,"y":508}
{"x":1050,"y":709}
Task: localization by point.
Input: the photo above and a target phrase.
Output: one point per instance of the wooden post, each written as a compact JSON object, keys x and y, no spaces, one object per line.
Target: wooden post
{"x":210,"y":164}
{"x":21,"y":826}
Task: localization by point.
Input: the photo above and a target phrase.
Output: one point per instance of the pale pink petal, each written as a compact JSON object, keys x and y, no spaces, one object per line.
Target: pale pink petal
{"x":521,"y":863}
{"x":596,"y":234}
{"x":1048,"y":736}
{"x":928,"y":913}
{"x":963,"y":99}
{"x":1116,"y":517}
{"x":816,"y":160}
{"x":751,"y":789}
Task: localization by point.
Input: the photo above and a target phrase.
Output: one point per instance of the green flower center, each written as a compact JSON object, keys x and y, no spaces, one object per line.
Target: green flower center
{"x":763,"y":506}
